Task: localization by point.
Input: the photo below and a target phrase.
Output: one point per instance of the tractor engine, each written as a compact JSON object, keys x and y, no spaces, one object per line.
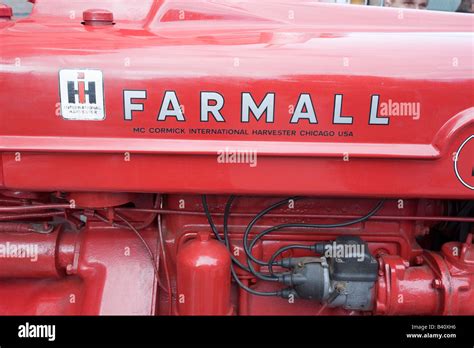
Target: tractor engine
{"x":104,"y":253}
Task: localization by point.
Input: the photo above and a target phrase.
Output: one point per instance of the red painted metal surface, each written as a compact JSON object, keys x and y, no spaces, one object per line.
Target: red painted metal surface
{"x":253,"y":50}
{"x":203,"y":273}
{"x":115,"y":248}
{"x":106,"y":270}
{"x":442,"y":285}
{"x":80,"y":274}
{"x":43,"y":262}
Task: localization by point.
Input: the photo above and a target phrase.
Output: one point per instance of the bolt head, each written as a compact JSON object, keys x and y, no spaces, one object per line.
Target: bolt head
{"x":97,"y":17}
{"x":437,"y":283}
{"x":419,"y":260}
{"x":6,"y":11}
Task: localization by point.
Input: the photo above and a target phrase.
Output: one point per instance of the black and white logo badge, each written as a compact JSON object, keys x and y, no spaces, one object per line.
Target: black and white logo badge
{"x":82,"y":94}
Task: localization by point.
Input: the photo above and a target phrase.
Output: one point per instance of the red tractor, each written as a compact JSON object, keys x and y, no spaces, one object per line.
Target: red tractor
{"x":235,"y":158}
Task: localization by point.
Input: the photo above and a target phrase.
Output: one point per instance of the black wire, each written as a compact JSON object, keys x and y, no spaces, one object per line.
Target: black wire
{"x":226,"y":232}
{"x":248,"y":252}
{"x":227,"y":244}
{"x":246,"y":288}
{"x":209,"y":218}
{"x":301,"y":225}
{"x":228,"y":206}
{"x":248,"y":248}
{"x":255,"y":219}
{"x":282,"y":250}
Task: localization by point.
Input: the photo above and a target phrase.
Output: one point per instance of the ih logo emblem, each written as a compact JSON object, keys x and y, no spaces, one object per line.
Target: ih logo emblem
{"x":82,"y":94}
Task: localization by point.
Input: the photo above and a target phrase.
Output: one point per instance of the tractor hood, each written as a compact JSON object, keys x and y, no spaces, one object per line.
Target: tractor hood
{"x":175,"y":83}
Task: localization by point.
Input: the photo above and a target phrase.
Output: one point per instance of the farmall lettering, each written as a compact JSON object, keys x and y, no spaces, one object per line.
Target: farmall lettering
{"x":212,"y":103}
